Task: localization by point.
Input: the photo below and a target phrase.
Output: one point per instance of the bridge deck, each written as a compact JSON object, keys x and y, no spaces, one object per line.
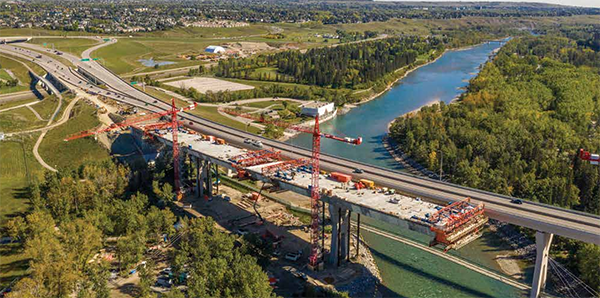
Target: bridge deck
{"x":403,"y":208}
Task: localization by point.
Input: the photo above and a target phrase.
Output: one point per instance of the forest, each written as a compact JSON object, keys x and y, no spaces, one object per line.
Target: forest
{"x":105,"y":206}
{"x":518,"y":128}
{"x":352,"y":66}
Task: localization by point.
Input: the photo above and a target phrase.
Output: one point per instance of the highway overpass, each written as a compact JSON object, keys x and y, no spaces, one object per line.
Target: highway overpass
{"x":546,"y":219}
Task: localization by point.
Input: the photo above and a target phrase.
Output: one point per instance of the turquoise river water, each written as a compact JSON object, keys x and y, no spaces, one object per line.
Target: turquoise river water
{"x":408,"y":271}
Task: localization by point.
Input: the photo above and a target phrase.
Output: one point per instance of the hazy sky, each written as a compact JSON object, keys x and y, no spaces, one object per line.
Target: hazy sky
{"x":588,"y":3}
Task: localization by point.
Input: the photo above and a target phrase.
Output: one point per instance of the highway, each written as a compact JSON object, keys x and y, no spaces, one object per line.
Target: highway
{"x":540,"y":217}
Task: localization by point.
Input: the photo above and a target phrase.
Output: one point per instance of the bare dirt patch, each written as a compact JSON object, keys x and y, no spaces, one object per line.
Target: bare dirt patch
{"x":204,"y":85}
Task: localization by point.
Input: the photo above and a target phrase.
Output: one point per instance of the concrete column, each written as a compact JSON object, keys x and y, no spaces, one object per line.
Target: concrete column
{"x":335,"y":217}
{"x":542,"y":247}
{"x":209,"y":184}
{"x":344,"y":236}
{"x":198,"y":181}
{"x":202,"y":179}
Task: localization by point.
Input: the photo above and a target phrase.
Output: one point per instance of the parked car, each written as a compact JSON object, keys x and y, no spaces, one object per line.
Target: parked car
{"x":292,"y":256}
{"x":517,"y":201}
{"x":241,"y":232}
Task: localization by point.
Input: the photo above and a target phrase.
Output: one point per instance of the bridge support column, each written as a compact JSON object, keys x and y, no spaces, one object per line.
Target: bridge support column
{"x":209,"y":183}
{"x":542,"y":247}
{"x":202,"y":180}
{"x":344,"y":234}
{"x":196,"y":161}
{"x":334,"y":214}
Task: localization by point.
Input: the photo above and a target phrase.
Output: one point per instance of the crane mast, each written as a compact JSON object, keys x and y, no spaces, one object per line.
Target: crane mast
{"x":315,"y":202}
{"x":174,"y":124}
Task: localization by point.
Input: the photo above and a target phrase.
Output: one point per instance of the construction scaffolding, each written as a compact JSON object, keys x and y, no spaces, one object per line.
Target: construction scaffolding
{"x":457,"y":224}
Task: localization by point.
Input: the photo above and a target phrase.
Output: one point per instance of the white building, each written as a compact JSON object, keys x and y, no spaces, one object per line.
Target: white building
{"x":215,"y":50}
{"x":323,"y":108}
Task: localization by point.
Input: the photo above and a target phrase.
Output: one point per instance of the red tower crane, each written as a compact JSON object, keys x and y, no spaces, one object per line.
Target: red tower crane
{"x":173,"y":124}
{"x":316,"y":247}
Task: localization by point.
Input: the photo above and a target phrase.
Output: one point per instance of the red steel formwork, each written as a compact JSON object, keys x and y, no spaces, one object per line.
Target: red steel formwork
{"x":452,"y":218}
{"x":254,"y":158}
{"x":284,"y":166}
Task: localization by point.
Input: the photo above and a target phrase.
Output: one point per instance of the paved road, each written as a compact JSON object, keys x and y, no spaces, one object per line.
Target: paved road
{"x":27,"y":94}
{"x":541,"y":217}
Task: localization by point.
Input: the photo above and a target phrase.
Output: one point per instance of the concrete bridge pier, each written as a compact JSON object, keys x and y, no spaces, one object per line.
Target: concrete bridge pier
{"x":209,"y":184}
{"x":334,"y":215}
{"x":199,"y":172}
{"x":543,"y":241}
{"x":340,"y":234}
{"x":344,"y":235}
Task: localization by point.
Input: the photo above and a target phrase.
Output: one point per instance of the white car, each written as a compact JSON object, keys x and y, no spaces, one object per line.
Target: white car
{"x":247,"y":141}
{"x":292,"y":256}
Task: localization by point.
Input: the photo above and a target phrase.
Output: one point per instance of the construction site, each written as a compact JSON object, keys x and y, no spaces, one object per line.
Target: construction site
{"x":303,"y":248}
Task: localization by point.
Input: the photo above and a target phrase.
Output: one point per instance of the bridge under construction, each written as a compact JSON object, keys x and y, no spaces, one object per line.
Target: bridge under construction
{"x":451,"y":226}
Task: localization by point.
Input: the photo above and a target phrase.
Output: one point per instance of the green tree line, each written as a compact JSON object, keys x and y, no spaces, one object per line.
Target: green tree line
{"x":518,"y":129}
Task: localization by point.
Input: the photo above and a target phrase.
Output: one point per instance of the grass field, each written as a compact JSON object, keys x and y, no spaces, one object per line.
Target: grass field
{"x":20,"y":72}
{"x":14,"y":103}
{"x":47,"y":107}
{"x":122,"y":57}
{"x":17,"y":168}
{"x":164,"y":97}
{"x":4,"y":75}
{"x":61,"y":154}
{"x":212,"y":114}
{"x":266,"y":103}
{"x":70,"y":45}
{"x":19,"y":119}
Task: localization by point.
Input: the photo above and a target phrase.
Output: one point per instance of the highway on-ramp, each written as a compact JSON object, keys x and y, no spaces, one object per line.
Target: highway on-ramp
{"x":537,"y":216}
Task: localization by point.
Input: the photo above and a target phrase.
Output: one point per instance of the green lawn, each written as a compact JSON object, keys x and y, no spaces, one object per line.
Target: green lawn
{"x":4,"y":75}
{"x":212,"y":114}
{"x":70,"y":45}
{"x":164,"y":97}
{"x":47,"y":107}
{"x":14,"y":103}
{"x":19,"y":119}
{"x":40,"y":32}
{"x":18,"y":69}
{"x":60,"y":154}
{"x":266,"y":103}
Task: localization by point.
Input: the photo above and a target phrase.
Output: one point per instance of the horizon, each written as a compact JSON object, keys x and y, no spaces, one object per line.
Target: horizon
{"x":575,"y":3}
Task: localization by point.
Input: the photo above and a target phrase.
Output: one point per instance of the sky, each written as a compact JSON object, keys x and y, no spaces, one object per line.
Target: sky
{"x":586,"y":3}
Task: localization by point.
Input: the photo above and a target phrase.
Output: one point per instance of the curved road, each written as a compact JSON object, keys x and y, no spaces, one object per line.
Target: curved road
{"x":540,"y":217}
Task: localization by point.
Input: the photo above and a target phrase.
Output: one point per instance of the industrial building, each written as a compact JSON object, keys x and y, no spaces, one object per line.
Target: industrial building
{"x":317,"y":107}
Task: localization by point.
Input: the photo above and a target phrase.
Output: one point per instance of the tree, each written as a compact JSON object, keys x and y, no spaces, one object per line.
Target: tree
{"x":146,"y":273}
{"x":588,"y":265}
{"x":216,"y":268}
{"x":130,"y":249}
{"x":160,"y":222}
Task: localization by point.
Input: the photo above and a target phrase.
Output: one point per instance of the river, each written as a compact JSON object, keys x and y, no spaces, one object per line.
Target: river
{"x":407,"y":271}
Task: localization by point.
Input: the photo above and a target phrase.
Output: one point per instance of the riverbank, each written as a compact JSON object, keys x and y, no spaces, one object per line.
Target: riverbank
{"x":405,"y":269}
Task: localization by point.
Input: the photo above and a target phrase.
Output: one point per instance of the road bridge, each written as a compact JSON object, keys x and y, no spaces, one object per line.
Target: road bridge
{"x":546,"y":219}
